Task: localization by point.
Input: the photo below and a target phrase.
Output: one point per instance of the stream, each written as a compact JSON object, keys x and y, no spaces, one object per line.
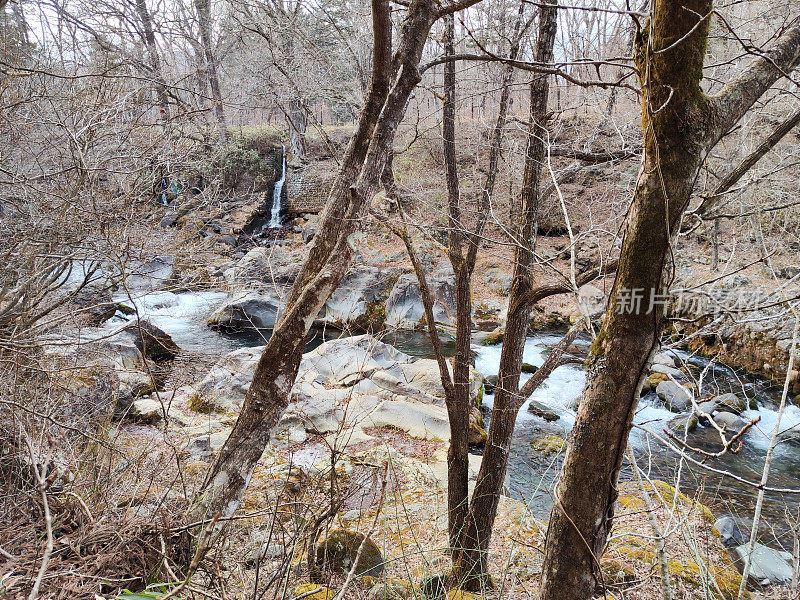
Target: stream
{"x":530,"y":473}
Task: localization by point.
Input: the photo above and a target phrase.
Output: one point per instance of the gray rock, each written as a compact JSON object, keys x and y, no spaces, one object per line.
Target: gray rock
{"x":767,"y":566}
{"x":338,"y":552}
{"x":248,"y":312}
{"x":592,"y":301}
{"x":152,"y":274}
{"x":789,"y":272}
{"x":94,"y":301}
{"x":137,"y":382}
{"x":729,"y":403}
{"x":273,"y":269}
{"x":261,"y":548}
{"x":675,"y":396}
{"x":308,"y":230}
{"x":664,"y":358}
{"x":666,"y":370}
{"x":358,"y":301}
{"x":146,"y":410}
{"x":404,"y":308}
{"x":489,"y":384}
{"x":498,"y":281}
{"x":152,"y":342}
{"x":683,"y":423}
{"x":225,"y":385}
{"x":730,"y":421}
{"x":543,"y":411}
{"x":708,"y":407}
{"x":169,"y":220}
{"x":729,"y":532}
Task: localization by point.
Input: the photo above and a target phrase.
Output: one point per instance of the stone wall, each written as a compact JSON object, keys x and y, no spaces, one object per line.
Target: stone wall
{"x":307,"y":187}
{"x":743,"y":326}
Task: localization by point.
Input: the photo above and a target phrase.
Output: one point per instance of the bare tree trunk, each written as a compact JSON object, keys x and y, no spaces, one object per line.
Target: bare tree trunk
{"x":155,"y":63}
{"x":457,"y":400}
{"x":328,"y":257}
{"x":21,"y":23}
{"x":681,"y":125}
{"x":471,"y":563}
{"x":298,"y":124}
{"x":629,"y":46}
{"x":463,"y":248}
{"x":203,"y":8}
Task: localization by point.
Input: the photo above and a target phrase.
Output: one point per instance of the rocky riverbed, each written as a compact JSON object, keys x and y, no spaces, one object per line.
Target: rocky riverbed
{"x":353,"y":389}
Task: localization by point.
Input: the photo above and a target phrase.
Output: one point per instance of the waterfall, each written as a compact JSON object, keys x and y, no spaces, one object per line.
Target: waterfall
{"x":277,"y":192}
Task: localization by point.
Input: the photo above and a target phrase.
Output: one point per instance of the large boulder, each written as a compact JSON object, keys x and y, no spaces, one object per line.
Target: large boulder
{"x":730,"y":403}
{"x":418,"y":420}
{"x":664,"y":358}
{"x":543,"y":411}
{"x":116,"y":352}
{"x":683,"y":423}
{"x":151,"y":274}
{"x":497,"y":281}
{"x":767,"y":565}
{"x":274,"y":268}
{"x":338,"y":553}
{"x":346,"y":360}
{"x":668,"y":371}
{"x":226,"y":384}
{"x":404,"y":308}
{"x":729,"y":532}
{"x":251,"y":311}
{"x":359,"y":300}
{"x":356,"y":381}
{"x":152,"y":342}
{"x":676,"y":397}
{"x":730,"y":421}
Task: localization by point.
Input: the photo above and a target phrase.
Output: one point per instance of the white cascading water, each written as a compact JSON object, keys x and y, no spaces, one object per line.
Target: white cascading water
{"x":277,"y":192}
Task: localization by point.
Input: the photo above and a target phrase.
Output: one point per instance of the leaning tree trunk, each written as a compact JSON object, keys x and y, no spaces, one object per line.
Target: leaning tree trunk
{"x":471,"y":567}
{"x":681,"y":125}
{"x":203,"y":8}
{"x":328,"y":259}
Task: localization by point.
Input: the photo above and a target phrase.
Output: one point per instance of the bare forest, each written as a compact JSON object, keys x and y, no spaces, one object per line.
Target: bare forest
{"x":400,"y":299}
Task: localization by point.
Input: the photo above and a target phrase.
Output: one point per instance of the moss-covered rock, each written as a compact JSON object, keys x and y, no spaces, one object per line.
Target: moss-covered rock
{"x":337,"y":553}
{"x":321,"y":593}
{"x":462,"y":595}
{"x":655,"y":378}
{"x":477,"y":433}
{"x":390,"y":588}
{"x":493,"y":338}
{"x":433,"y":586}
{"x":616,"y":572}
{"x":549,"y":444}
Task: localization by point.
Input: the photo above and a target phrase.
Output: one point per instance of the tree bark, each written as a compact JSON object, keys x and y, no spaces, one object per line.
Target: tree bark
{"x":457,"y":398}
{"x":203,"y":8}
{"x":681,"y":125}
{"x":471,"y":567}
{"x":298,"y":124}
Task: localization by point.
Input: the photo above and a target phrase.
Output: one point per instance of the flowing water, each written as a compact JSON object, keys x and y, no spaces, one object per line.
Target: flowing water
{"x":530,"y":473}
{"x":277,"y":195}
